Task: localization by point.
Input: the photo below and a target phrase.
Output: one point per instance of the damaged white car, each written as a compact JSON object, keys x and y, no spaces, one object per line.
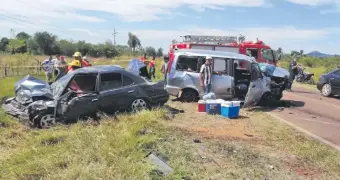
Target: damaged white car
{"x":235,"y":76}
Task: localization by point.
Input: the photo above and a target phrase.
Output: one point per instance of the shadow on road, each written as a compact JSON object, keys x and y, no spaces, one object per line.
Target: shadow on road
{"x":278,"y":105}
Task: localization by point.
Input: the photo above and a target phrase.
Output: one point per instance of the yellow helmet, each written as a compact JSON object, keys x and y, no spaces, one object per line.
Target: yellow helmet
{"x":75,"y":63}
{"x":77,"y":54}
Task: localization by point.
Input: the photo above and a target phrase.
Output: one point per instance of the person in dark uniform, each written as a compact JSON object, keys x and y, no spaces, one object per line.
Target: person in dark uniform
{"x":293,"y":71}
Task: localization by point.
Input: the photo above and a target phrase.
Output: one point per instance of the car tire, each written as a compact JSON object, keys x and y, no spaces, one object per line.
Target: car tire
{"x":326,"y":90}
{"x":44,"y":120}
{"x":139,"y":105}
{"x":189,"y":95}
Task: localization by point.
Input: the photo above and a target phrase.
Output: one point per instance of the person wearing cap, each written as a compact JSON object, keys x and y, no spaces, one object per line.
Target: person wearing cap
{"x":206,"y":75}
{"x":60,"y":66}
{"x":74,"y":65}
{"x":77,"y":56}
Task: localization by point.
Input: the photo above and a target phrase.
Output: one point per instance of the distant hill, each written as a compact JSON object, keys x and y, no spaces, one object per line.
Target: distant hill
{"x":318,"y":54}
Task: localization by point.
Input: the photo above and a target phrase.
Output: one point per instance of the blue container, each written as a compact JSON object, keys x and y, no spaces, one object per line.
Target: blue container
{"x":230,"y":111}
{"x":213,"y":107}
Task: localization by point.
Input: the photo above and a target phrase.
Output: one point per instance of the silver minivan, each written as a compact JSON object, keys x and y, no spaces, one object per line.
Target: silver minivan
{"x":235,"y":76}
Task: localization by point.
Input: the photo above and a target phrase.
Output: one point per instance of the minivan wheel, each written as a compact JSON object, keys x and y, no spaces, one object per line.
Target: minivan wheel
{"x":326,"y":90}
{"x":139,"y":105}
{"x":189,"y":95}
{"x":44,"y":120}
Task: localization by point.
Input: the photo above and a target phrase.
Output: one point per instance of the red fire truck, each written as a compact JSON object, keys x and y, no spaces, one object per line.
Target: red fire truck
{"x":257,"y":49}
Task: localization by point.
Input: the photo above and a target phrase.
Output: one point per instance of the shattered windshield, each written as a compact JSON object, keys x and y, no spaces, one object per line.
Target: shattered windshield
{"x":59,"y":86}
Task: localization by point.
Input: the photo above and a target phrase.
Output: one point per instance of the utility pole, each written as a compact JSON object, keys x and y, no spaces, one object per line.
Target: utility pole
{"x":114,"y":35}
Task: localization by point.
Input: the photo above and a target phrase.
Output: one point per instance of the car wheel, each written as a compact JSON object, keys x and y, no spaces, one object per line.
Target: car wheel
{"x":44,"y":120}
{"x":326,"y":90}
{"x":189,"y":95}
{"x":139,"y":105}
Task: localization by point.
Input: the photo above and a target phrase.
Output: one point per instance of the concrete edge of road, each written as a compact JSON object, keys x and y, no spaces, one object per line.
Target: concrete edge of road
{"x":306,"y":132}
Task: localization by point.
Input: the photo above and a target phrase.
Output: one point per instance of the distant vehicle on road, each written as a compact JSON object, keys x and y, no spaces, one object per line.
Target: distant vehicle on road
{"x":81,"y":94}
{"x":329,"y":84}
{"x":304,"y":77}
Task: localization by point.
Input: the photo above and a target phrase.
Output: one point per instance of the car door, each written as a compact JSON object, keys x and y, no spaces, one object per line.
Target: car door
{"x":222,"y":83}
{"x":115,"y":91}
{"x":256,"y":87}
{"x":73,"y":105}
{"x":335,"y":81}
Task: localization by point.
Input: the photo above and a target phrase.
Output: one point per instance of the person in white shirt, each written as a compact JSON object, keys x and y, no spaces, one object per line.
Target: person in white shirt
{"x":206,"y":75}
{"x":48,"y":67}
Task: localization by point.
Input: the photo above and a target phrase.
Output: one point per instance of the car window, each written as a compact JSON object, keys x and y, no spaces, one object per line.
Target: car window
{"x":110,"y":81}
{"x":84,"y":83}
{"x":220,"y":65}
{"x":252,"y":53}
{"x":267,"y":54}
{"x":187,"y":63}
{"x":127,"y":81}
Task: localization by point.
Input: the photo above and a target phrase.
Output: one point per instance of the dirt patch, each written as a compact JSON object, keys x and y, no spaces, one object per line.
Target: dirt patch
{"x":296,"y":165}
{"x":211,"y":126}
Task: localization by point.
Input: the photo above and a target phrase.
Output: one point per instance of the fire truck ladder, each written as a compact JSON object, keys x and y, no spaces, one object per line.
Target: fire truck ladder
{"x":197,"y":39}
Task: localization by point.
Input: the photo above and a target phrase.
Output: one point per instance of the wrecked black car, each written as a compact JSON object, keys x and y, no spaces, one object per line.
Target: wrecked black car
{"x":83,"y":93}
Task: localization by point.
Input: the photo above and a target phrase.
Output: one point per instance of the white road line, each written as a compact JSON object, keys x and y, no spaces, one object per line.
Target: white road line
{"x":306,"y":132}
{"x":306,"y":119}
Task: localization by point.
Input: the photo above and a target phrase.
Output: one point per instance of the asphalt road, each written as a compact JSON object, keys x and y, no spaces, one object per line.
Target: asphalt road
{"x":313,"y":113}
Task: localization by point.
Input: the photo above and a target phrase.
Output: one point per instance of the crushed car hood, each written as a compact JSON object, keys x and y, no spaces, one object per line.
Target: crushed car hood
{"x":271,"y":70}
{"x":134,"y":66}
{"x":29,"y":87}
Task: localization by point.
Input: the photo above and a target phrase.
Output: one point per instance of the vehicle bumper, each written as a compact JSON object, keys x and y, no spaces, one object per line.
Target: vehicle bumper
{"x":162,"y":99}
{"x":15,"y":109}
{"x":319,"y":85}
{"x":172,"y":90}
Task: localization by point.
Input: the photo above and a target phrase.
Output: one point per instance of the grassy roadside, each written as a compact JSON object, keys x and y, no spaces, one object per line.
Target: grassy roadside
{"x":255,"y":146}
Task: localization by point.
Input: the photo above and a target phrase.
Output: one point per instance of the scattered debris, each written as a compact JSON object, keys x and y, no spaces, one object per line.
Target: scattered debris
{"x":280,"y":108}
{"x":271,"y":167}
{"x":249,"y":135}
{"x":314,"y":117}
{"x":291,"y":113}
{"x":186,"y":178}
{"x":144,"y":131}
{"x":203,"y":157}
{"x":163,"y":168}
{"x":197,"y":141}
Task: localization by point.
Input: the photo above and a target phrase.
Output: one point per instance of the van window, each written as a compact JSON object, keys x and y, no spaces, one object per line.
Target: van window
{"x":188,"y":63}
{"x":220,"y":65}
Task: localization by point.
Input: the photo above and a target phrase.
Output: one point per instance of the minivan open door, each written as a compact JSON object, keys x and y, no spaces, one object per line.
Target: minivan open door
{"x":256,"y":86}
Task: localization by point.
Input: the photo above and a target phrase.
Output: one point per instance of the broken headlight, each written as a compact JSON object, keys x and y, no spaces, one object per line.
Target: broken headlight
{"x":22,"y":96}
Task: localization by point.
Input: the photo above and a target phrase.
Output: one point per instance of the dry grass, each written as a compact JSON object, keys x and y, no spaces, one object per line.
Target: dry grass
{"x":255,"y":146}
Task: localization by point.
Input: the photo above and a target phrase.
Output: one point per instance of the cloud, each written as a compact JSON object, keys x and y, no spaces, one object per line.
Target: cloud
{"x":314,"y":2}
{"x":128,"y":10}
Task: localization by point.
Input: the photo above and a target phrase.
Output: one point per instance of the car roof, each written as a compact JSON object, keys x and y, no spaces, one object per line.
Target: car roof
{"x":199,"y":52}
{"x":99,"y":69}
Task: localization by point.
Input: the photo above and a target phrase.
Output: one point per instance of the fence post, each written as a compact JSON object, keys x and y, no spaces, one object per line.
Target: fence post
{"x":5,"y":70}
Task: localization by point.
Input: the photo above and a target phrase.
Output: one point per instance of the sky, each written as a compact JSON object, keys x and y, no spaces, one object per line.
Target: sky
{"x":309,"y":25}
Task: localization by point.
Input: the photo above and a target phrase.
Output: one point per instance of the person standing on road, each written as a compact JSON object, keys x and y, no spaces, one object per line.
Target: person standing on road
{"x":293,"y":70}
{"x":48,"y":67}
{"x":152,"y":69}
{"x":206,"y":75}
{"x":60,"y":66}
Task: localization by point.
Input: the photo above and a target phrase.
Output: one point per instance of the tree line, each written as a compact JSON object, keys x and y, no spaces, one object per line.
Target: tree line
{"x":45,"y":43}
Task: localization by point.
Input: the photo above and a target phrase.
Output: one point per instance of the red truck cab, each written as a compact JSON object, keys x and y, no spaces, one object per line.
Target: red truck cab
{"x":257,"y":49}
